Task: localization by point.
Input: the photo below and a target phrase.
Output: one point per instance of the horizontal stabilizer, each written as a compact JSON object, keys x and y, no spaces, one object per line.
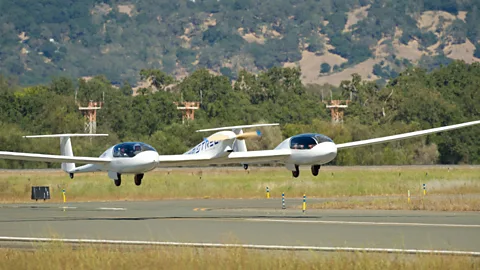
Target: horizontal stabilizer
{"x":237,"y":127}
{"x":65,"y":135}
{"x":52,"y":158}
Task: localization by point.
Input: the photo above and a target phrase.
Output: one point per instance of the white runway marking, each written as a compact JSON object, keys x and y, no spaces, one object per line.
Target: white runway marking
{"x":365,"y":223}
{"x":217,"y":245}
{"x":68,"y":207}
{"x":112,"y":208}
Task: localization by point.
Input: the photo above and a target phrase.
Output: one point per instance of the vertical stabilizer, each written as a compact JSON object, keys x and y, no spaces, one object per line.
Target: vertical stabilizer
{"x":239,"y":145}
{"x":66,"y":150}
{"x":66,"y":146}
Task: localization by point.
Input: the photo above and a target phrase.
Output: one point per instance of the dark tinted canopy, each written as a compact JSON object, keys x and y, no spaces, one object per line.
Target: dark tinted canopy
{"x":308,"y":140}
{"x":130,"y":149}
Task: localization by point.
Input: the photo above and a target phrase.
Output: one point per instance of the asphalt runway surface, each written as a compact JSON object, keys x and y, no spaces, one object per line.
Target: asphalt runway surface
{"x":261,"y":222}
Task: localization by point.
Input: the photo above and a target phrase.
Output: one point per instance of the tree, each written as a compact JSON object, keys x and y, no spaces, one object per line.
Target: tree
{"x":157,"y":78}
{"x":325,"y":68}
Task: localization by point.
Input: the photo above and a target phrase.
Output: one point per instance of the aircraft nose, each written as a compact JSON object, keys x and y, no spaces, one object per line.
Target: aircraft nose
{"x":327,"y":150}
{"x":331,"y":148}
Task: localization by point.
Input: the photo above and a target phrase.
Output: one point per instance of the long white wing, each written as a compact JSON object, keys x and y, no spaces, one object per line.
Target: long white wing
{"x":249,"y":157}
{"x":404,"y":135}
{"x":52,"y":158}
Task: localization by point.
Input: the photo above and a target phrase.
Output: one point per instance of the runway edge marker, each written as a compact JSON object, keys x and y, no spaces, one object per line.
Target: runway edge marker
{"x":247,"y":246}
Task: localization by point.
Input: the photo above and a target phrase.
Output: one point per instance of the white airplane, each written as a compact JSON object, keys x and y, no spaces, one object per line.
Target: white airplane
{"x":137,"y":158}
{"x":227,"y":146}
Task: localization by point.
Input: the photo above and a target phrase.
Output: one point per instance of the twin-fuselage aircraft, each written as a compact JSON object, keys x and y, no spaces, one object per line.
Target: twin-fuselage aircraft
{"x":226,"y":146}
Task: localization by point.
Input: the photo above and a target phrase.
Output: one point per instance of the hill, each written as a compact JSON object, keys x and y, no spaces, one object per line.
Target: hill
{"x":328,"y":39}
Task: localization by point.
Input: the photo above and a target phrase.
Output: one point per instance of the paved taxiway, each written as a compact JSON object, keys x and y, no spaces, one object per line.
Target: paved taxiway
{"x":243,"y":221}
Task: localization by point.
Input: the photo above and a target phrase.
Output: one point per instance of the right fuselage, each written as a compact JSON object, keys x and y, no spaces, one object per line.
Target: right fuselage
{"x":309,"y":149}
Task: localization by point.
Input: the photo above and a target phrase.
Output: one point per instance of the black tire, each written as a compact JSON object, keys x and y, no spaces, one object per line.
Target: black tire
{"x":118,"y":181}
{"x":315,"y":169}
{"x":296,"y":173}
{"x":138,"y":179}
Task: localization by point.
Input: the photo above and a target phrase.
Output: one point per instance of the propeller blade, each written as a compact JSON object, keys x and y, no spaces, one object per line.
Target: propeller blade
{"x":249,"y":135}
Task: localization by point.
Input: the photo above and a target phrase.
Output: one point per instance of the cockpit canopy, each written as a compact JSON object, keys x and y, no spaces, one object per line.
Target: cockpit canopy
{"x":307,"y":141}
{"x":131,"y":149}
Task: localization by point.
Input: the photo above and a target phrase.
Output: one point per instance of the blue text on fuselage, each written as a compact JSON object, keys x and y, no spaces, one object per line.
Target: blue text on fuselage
{"x":202,"y":146}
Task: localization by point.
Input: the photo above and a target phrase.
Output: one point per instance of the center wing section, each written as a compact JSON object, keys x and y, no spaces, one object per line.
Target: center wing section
{"x":249,"y":157}
{"x":404,"y":135}
{"x":52,"y":158}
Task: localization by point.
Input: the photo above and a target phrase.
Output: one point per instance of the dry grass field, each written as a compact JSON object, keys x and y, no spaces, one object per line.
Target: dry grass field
{"x":448,"y":188}
{"x":59,"y":256}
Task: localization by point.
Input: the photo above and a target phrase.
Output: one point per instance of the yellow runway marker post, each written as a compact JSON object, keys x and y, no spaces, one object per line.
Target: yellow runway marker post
{"x":304,"y":205}
{"x":408,"y":196}
{"x":64,"y":197}
{"x":424,"y":189}
{"x":268,"y":193}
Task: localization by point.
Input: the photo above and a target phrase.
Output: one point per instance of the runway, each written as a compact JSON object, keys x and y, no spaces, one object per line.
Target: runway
{"x":257,"y":222}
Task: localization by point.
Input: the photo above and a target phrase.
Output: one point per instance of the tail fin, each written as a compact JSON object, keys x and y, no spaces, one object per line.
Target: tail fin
{"x":239,"y":145}
{"x":66,"y":146}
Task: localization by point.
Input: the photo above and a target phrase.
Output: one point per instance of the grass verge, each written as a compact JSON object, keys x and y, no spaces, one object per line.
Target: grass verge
{"x":227,"y":183}
{"x":61,"y":256}
{"x":430,"y":203}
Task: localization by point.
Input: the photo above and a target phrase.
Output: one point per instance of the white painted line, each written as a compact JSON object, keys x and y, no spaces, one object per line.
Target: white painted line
{"x":69,"y":207}
{"x":112,"y":208}
{"x":217,"y":245}
{"x":365,"y":223}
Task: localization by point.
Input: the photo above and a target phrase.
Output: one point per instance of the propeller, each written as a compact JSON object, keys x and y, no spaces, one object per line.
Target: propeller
{"x":243,"y":136}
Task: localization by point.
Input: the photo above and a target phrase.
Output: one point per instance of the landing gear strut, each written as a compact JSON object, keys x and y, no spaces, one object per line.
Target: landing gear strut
{"x":296,"y":173}
{"x":138,"y":179}
{"x":118,"y":181}
{"x":315,"y":169}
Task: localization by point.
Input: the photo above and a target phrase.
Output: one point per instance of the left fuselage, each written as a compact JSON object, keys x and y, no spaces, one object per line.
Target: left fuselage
{"x":138,"y":163}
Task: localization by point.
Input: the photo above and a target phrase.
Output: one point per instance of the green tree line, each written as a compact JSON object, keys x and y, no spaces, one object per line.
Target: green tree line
{"x":416,"y":99}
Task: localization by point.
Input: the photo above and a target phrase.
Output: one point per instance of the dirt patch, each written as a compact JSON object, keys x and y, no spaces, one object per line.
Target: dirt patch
{"x":355,"y":16}
{"x":462,"y":15}
{"x":461,"y":52}
{"x":310,"y":64}
{"x":409,"y":51}
{"x":126,"y":9}
{"x":251,"y":37}
{"x":23,"y":37}
{"x":270,"y":32}
{"x":382,"y":49}
{"x":210,"y":21}
{"x":102,"y":9}
{"x":429,"y":20}
{"x":364,"y":69}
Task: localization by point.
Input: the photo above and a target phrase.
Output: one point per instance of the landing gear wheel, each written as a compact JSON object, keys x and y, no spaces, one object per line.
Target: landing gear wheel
{"x":296,"y":173}
{"x":118,"y":181}
{"x":71,"y":175}
{"x":315,"y":169}
{"x":245,"y":166}
{"x":138,"y":179}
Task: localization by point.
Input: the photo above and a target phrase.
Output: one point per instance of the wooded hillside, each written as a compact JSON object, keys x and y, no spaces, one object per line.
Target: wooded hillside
{"x":328,"y":39}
